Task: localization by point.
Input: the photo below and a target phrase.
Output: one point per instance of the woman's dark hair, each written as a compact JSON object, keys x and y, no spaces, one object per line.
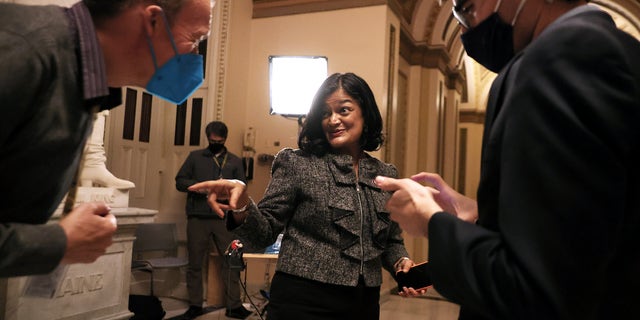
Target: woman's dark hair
{"x":312,"y":138}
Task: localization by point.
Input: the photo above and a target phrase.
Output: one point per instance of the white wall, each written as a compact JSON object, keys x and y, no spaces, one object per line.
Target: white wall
{"x":353,"y":40}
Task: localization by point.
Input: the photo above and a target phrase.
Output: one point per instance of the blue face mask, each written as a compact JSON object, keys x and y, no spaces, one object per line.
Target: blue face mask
{"x":177,"y":79}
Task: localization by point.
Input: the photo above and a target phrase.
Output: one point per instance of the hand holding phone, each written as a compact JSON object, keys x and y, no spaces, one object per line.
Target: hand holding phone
{"x":418,"y":277}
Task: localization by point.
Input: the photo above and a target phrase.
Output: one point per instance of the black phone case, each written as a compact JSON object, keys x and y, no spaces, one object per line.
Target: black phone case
{"x":418,"y":277}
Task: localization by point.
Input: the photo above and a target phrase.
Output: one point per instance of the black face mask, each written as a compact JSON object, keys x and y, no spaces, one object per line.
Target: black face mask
{"x":215,"y":148}
{"x":490,"y":43}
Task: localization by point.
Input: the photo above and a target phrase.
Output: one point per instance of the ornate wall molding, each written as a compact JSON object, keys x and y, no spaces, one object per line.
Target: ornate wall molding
{"x":274,"y":8}
{"x":472,"y":116}
{"x":434,"y":12}
{"x":431,"y":57}
{"x":222,"y":14}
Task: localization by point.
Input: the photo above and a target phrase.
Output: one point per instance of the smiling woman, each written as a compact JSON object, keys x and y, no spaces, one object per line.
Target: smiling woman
{"x":337,"y":235}
{"x":342,"y":123}
{"x":342,"y":97}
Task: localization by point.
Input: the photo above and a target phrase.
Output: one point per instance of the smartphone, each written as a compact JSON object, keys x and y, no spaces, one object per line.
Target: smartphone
{"x":418,"y":277}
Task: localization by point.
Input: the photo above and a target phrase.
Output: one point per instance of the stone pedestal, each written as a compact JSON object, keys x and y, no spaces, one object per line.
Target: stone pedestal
{"x":113,"y":197}
{"x":99,"y":290}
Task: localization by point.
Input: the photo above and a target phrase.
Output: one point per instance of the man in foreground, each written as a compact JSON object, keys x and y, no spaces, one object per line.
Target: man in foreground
{"x":558,"y":221}
{"x":59,"y":66}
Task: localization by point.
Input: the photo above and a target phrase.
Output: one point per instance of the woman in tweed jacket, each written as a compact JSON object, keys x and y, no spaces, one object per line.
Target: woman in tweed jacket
{"x":337,"y":233}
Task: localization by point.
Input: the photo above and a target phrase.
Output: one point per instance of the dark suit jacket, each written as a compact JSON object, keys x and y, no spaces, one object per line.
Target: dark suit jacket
{"x":559,"y":225}
{"x":200,"y":166}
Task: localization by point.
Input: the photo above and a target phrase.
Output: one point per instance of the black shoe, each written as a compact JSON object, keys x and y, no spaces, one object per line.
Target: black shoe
{"x":192,"y":313}
{"x":237,"y":313}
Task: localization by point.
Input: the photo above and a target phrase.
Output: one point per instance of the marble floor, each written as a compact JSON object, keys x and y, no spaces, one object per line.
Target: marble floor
{"x":429,"y":307}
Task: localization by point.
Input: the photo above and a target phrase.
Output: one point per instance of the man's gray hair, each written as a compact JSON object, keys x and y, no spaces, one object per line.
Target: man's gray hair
{"x":104,"y":9}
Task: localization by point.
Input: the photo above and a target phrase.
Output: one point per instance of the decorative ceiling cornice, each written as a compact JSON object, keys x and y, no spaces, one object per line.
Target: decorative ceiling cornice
{"x":434,"y":11}
{"x":274,"y":8}
{"x":408,"y":7}
{"x":472,"y":116}
{"x":423,"y":55}
{"x":432,"y":57}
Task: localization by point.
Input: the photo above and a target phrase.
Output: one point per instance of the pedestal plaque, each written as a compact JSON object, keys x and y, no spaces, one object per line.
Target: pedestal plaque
{"x":99,"y":290}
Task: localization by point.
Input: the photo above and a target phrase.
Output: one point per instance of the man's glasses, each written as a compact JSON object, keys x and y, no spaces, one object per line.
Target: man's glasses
{"x":460,"y":12}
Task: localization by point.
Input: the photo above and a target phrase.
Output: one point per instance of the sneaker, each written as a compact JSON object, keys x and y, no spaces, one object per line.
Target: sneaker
{"x":237,"y":313}
{"x":192,"y":313}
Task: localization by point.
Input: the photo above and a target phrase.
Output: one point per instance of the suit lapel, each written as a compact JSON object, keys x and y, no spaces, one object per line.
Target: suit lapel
{"x":496,"y":97}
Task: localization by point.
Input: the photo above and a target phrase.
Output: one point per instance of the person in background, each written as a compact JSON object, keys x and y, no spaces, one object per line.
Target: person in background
{"x":558,"y":217}
{"x":337,"y":234}
{"x":204,"y":225}
{"x":59,"y":66}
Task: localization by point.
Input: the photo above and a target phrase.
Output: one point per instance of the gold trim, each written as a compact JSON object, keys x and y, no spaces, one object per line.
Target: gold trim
{"x":472,"y":116}
{"x":223,"y":15}
{"x":275,"y":8}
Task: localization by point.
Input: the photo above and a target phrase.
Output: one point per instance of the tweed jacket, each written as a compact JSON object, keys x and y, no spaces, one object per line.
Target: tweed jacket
{"x":200,"y":166}
{"x":334,"y":228}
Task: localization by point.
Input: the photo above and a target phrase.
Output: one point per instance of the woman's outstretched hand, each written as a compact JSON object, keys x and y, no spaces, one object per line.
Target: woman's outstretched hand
{"x":235,"y":191}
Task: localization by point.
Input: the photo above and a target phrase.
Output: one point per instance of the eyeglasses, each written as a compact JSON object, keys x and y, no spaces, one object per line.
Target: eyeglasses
{"x":221,"y":141}
{"x":461,"y":13}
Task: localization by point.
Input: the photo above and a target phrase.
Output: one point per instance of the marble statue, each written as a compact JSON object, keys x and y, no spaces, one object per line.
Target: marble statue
{"x":95,"y":172}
